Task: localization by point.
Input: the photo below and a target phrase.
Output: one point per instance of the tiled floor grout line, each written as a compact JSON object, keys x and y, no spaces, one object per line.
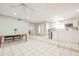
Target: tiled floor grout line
{"x":4,"y":53}
{"x":36,"y":49}
{"x":56,"y":45}
{"x":3,"y":49}
{"x":42,"y":41}
{"x":19,"y":49}
{"x":11,"y":50}
{"x":39,"y":44}
{"x":27,"y":48}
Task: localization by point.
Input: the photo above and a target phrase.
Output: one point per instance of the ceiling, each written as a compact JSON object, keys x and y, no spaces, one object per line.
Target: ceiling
{"x":41,"y":12}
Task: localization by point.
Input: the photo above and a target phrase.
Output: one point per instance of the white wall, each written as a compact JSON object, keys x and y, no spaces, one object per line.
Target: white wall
{"x":8,"y":24}
{"x":32,"y":28}
{"x":43,"y":28}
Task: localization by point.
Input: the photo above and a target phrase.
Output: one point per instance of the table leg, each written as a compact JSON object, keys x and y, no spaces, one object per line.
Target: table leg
{"x":13,"y":38}
{"x":0,"y":41}
{"x":24,"y":37}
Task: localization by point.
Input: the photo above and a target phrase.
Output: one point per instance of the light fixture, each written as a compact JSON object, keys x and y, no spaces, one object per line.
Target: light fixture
{"x":77,"y":10}
{"x":14,"y":13}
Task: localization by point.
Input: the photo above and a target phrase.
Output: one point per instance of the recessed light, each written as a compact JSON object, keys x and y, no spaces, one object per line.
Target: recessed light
{"x":77,"y":10}
{"x":14,"y":13}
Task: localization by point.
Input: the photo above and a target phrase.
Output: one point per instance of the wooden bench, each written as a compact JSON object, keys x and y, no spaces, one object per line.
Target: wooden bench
{"x":12,"y":37}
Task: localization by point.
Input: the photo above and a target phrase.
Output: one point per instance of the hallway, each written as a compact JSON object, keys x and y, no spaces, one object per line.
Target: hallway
{"x":39,"y":29}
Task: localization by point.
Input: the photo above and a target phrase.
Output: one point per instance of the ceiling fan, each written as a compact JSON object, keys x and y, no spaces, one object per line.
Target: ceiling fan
{"x":24,"y":7}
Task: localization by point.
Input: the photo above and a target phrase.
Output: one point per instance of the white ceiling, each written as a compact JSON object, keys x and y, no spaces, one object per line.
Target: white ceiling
{"x":42,"y":11}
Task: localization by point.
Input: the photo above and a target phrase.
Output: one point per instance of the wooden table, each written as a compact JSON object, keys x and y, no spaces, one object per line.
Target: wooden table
{"x":14,"y":36}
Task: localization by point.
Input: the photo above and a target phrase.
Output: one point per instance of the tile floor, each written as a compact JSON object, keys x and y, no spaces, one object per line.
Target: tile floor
{"x":36,"y":46}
